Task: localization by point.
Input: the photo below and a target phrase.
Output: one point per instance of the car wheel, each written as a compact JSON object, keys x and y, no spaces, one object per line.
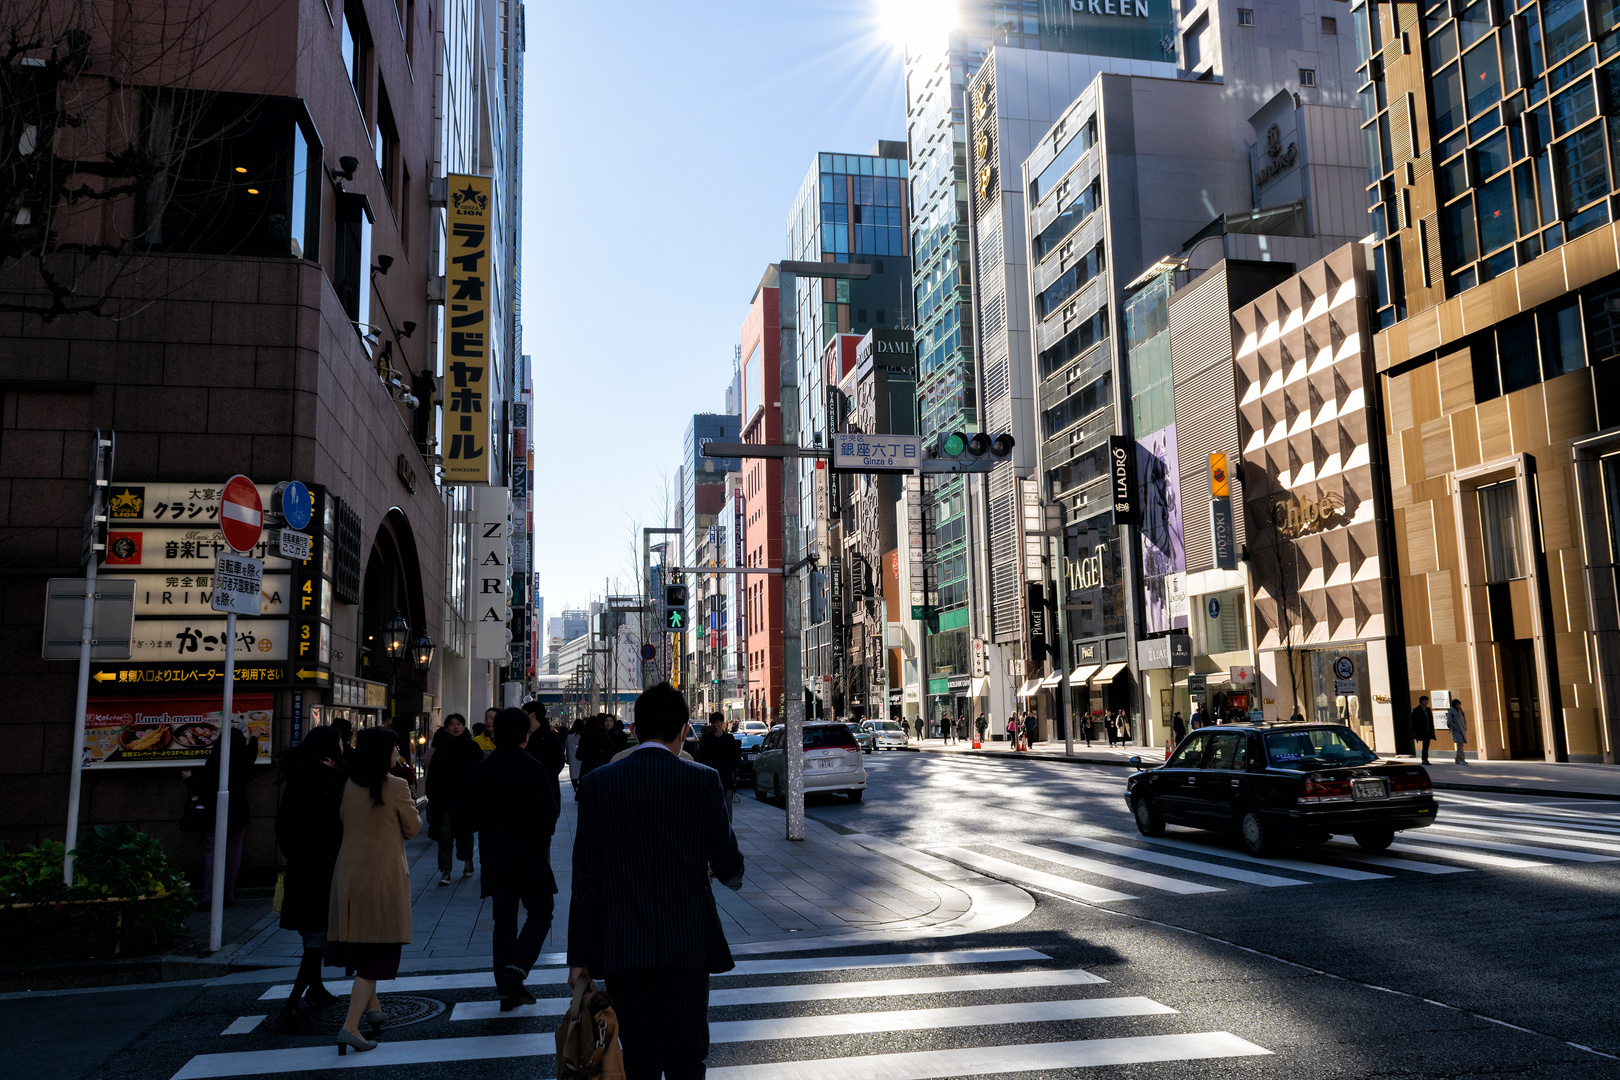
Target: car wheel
{"x":1375,"y":839}
{"x":1256,"y":835}
{"x":855,"y":796}
{"x":1149,"y":822}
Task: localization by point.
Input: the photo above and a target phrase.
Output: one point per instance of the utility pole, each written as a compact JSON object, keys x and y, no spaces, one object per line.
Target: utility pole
{"x":95,"y":546}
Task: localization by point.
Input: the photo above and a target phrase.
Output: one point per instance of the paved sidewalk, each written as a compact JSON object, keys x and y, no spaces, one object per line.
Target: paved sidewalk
{"x":795,"y":895}
{"x":1553,"y":779}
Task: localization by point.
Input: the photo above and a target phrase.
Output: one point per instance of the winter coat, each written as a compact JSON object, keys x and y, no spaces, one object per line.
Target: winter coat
{"x":371,"y":883}
{"x":722,"y":753}
{"x":450,"y":775}
{"x":1457,"y":723}
{"x":571,"y":746}
{"x":597,"y":747}
{"x":547,"y":749}
{"x":515,"y":811}
{"x":309,"y":833}
{"x":204,"y":782}
{"x":1422,"y":724}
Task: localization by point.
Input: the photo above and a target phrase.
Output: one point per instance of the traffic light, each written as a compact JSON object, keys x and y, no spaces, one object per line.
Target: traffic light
{"x":965,"y":451}
{"x":674,"y":607}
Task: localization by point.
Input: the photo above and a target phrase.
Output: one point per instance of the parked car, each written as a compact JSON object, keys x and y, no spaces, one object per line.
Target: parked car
{"x":832,"y":762}
{"x":1269,"y":783}
{"x":863,"y":737}
{"x":887,"y":734}
{"x":749,"y":737}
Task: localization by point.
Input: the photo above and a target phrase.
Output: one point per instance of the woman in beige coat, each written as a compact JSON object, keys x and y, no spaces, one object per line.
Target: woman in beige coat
{"x":370,"y":918}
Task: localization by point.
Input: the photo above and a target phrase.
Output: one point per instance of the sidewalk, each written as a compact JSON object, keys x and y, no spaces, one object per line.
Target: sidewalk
{"x":1565,"y":780}
{"x":823,"y":891}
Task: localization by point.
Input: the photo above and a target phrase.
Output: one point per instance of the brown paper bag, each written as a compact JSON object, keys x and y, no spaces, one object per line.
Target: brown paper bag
{"x":588,"y":1037}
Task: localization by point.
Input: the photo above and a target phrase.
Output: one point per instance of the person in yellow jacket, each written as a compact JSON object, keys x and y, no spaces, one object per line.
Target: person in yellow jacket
{"x":483,"y":733}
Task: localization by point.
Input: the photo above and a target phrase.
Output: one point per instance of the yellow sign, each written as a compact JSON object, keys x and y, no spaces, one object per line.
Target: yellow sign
{"x":467,"y":331}
{"x":1220,"y":482}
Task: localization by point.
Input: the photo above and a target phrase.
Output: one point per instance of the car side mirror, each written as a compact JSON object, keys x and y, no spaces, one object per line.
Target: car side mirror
{"x":1136,"y":762}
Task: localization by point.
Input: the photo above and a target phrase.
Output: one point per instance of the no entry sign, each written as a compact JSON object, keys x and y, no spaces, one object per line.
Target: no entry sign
{"x":241,"y":515}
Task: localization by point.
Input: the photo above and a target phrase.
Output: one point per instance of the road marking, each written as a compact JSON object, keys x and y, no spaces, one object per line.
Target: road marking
{"x":1253,"y":877}
{"x":825,"y":991}
{"x":1286,"y":864}
{"x":867,"y":1023}
{"x":246,"y":1025}
{"x":1465,"y":856}
{"x":1077,"y":890}
{"x":917,"y":860}
{"x":1401,"y":864}
{"x":1539,"y":820}
{"x":412,"y":1052}
{"x":996,"y":1060}
{"x":1521,"y":849}
{"x":782,"y":966}
{"x":1109,"y":870}
{"x":1545,"y":834}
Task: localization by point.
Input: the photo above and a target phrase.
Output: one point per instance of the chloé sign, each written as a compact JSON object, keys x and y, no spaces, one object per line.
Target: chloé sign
{"x":1298,"y":517}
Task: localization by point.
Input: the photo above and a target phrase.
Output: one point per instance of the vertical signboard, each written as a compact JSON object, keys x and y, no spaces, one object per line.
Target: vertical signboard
{"x":491,"y":573}
{"x":1222,"y":527}
{"x":1122,"y":481}
{"x":467,"y":331}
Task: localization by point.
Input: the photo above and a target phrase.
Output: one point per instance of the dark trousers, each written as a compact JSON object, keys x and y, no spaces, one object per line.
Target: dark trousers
{"x":663,"y":1022}
{"x":1425,"y":744}
{"x":514,"y":947}
{"x":455,"y":831}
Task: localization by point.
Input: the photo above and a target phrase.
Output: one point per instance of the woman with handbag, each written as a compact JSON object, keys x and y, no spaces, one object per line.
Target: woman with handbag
{"x":369,"y":921}
{"x":310,"y":833}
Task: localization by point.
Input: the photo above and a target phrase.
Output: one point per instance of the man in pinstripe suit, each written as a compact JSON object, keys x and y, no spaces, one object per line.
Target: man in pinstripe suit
{"x":652,"y":829}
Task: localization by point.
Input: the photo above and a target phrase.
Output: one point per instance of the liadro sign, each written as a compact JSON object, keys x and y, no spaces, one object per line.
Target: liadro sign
{"x":1122,"y":478}
{"x":468,"y":331}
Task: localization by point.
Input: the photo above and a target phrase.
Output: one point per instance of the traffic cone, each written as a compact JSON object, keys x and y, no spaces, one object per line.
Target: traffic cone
{"x":976,"y":745}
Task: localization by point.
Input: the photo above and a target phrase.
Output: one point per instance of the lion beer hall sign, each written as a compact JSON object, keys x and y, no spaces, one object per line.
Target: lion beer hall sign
{"x":469,"y":246}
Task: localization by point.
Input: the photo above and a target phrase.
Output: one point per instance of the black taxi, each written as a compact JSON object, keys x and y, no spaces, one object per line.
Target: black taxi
{"x":1269,"y":783}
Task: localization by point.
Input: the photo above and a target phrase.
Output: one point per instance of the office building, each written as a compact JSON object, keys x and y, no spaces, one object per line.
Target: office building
{"x":767,"y":332}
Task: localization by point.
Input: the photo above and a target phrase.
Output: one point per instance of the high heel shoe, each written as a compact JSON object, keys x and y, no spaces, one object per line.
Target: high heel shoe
{"x":374,"y":1017}
{"x":346,"y":1040}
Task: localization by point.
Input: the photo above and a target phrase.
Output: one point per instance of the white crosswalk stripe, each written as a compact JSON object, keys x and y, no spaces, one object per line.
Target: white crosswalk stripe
{"x":796,"y":1012}
{"x":1440,"y":835}
{"x":1197,"y":866}
{"x":1102,"y":869}
{"x":1465,"y":856}
{"x":1024,"y":875}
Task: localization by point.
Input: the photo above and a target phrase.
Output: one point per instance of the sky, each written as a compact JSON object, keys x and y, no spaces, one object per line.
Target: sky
{"x":664,"y":144}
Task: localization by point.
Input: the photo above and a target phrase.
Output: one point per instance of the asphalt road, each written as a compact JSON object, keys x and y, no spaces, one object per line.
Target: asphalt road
{"x":1486,"y":952}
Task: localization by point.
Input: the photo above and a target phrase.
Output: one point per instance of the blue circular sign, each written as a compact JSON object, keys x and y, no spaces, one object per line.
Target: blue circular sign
{"x":1213,"y":607}
{"x":297,"y":505}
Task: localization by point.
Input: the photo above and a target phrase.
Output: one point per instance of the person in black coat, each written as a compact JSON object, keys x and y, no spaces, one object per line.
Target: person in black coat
{"x":449,"y":792}
{"x":719,"y":749}
{"x":546,"y":748}
{"x":1422,"y":724}
{"x":652,"y":829}
{"x":602,"y":739}
{"x":309,"y":833}
{"x":516,"y":810}
{"x":204,"y":785}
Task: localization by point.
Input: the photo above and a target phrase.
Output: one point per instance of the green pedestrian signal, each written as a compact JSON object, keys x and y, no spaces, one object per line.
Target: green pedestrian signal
{"x":675,"y":619}
{"x":674,"y":607}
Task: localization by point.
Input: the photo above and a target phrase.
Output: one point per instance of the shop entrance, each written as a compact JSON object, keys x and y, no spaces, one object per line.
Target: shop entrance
{"x":1334,"y":687}
{"x":1521,"y":699}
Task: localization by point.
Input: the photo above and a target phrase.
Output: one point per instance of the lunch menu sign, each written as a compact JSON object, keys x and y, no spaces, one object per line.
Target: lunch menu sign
{"x":167,"y":731}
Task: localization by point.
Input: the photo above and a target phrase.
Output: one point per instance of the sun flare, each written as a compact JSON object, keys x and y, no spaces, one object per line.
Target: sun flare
{"x":905,"y":21}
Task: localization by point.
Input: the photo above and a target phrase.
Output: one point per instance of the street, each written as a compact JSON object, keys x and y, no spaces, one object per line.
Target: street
{"x":1484,"y":946}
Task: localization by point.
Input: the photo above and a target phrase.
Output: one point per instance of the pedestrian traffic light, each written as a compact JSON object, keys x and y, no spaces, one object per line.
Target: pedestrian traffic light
{"x":963,"y":451}
{"x":674,"y":607}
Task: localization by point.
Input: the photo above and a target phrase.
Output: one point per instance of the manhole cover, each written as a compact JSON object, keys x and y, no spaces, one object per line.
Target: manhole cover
{"x":398,"y":1010}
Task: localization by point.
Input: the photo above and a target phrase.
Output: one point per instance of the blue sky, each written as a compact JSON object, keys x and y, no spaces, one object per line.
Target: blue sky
{"x":663,"y":147}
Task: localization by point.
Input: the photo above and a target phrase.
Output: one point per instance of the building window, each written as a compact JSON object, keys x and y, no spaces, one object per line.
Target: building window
{"x":352,"y":278}
{"x":1330,"y":25}
{"x":356,"y":51}
{"x":387,"y":142}
{"x":1307,"y":76}
{"x":1499,"y":528}
{"x":1245,"y":16}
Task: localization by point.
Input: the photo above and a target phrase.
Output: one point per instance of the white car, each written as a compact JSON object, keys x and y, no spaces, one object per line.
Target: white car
{"x":832,"y":762}
{"x":887,"y":734}
{"x":754,"y":727}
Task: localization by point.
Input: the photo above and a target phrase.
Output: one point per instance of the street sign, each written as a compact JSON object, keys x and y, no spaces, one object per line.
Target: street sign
{"x":648,"y":652}
{"x":1241,"y":676}
{"x":293,"y":545}
{"x":241,"y":514}
{"x":292,"y":500}
{"x":64,"y":618}
{"x":877,"y":453}
{"x":237,"y":584}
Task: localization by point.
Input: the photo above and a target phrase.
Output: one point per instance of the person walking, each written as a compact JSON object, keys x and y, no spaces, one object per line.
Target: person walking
{"x":309,"y":833}
{"x":369,"y":920}
{"x":571,"y":749}
{"x":1422,"y":725}
{"x":652,"y":832}
{"x":515,"y":806}
{"x":1014,"y":726}
{"x":981,"y":725}
{"x":601,"y":740}
{"x":449,"y":793}
{"x":945,"y":728}
{"x":1178,"y":729}
{"x":204,"y":785}
{"x":720,"y":751}
{"x":546,"y":748}
{"x":1030,"y":731}
{"x":1458,"y":725}
{"x":917,"y":728}
{"x":481,"y":737}
{"x":1296,"y":717}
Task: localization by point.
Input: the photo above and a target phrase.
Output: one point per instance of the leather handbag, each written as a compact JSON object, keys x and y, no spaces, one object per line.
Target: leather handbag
{"x":588,"y":1037}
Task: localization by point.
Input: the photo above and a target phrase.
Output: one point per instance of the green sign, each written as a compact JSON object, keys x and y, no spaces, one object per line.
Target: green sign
{"x":676,"y":618}
{"x":920,"y":611}
{"x":939,"y":686}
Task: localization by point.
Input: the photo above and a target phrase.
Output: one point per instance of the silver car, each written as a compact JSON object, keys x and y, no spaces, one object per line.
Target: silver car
{"x":832,"y":762}
{"x":887,"y":734}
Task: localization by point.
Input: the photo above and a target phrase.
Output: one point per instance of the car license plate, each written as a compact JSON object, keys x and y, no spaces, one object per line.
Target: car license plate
{"x":1365,"y":790}
{"x":822,"y":763}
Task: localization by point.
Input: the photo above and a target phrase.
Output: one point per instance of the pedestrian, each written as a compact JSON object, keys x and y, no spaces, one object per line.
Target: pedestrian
{"x":1296,"y":717}
{"x":1458,"y":724}
{"x":917,"y":727}
{"x":1014,"y":726}
{"x":345,"y":730}
{"x":369,"y":921}
{"x":601,"y":740}
{"x":571,"y":748}
{"x":981,"y":725}
{"x":1178,"y":729}
{"x":546,"y":748}
{"x":449,"y":793}
{"x":1030,"y":729}
{"x":720,"y":751}
{"x":515,"y":807}
{"x":652,"y":832}
{"x":945,"y":728}
{"x":1122,"y":727}
{"x":309,"y":833}
{"x":1422,"y":725}
{"x":481,"y":739}
{"x":204,"y":785}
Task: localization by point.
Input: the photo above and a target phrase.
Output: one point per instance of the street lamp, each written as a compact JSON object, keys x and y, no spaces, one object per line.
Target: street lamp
{"x":395,"y":632}
{"x":422,"y":653}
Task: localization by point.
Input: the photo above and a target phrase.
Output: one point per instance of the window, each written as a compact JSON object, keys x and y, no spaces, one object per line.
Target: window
{"x":1330,"y":25}
{"x":352,"y":274}
{"x":1070,"y":282}
{"x":387,"y":142}
{"x":1516,"y":353}
{"x":1307,"y":76}
{"x":356,"y":51}
{"x":1066,"y":157}
{"x":1499,"y":529}
{"x":1190,"y":754}
{"x":1068,"y":219}
{"x":1245,"y":16}
{"x":1561,"y":347}
{"x":1226,"y":751}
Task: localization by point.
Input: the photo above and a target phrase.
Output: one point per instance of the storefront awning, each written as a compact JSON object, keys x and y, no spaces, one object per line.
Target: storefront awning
{"x":1082,"y":674}
{"x":1214,"y":679}
{"x":1106,"y":673}
{"x":981,"y":687}
{"x":1029,"y":688}
{"x":1052,"y":680}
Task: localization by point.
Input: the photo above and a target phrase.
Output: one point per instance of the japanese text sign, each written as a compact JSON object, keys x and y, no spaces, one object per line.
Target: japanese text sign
{"x":877,"y":453}
{"x":467,"y":331}
{"x":237,"y":581}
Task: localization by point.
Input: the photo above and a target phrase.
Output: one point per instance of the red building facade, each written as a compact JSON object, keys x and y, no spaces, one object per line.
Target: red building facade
{"x":761,"y":340}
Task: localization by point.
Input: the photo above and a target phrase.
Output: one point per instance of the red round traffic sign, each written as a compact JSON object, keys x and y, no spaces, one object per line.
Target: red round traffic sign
{"x":241,"y":515}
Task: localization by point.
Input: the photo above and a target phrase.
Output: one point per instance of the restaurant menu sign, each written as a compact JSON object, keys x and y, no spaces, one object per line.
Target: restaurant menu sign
{"x":138,"y":732}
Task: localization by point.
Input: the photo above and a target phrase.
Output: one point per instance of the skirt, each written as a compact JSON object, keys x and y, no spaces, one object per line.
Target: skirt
{"x":374,"y":960}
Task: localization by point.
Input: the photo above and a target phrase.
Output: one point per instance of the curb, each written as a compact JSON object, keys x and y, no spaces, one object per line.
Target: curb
{"x":1440,"y":785}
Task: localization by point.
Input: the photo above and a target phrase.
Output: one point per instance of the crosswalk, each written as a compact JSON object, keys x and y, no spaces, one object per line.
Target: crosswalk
{"x":1105,"y":867}
{"x":872,"y":998}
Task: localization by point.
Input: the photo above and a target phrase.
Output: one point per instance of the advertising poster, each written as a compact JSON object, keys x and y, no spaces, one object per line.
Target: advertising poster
{"x":138,"y":732}
{"x":1164,"y":558}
